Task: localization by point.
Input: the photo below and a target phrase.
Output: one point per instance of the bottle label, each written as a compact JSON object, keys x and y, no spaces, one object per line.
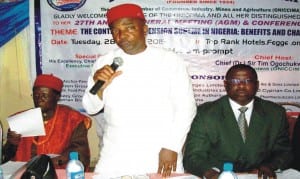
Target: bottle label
{"x":77,"y":175}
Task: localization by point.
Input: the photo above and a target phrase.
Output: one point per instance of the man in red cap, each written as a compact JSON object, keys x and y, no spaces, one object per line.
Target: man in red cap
{"x":66,"y":129}
{"x":148,"y":102}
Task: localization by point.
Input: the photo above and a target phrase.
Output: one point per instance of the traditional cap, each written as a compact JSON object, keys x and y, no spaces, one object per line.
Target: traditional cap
{"x":49,"y":81}
{"x":124,"y":10}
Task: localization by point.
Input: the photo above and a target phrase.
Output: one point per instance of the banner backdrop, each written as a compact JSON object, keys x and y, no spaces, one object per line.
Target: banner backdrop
{"x":211,"y":36}
{"x":14,"y":18}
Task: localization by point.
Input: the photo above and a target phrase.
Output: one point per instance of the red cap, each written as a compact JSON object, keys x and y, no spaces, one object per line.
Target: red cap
{"x":124,"y":10}
{"x":49,"y":81}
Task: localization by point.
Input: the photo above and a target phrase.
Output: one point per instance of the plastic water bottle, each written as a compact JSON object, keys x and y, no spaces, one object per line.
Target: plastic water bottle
{"x":75,"y":169}
{"x":228,"y":172}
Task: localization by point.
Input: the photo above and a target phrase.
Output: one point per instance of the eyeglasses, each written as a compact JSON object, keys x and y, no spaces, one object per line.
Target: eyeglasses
{"x":240,"y":81}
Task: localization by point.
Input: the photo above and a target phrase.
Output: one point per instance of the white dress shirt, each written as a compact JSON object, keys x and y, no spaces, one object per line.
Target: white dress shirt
{"x":235,"y":107}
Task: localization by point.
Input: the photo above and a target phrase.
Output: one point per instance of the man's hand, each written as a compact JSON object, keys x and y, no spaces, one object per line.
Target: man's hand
{"x":58,"y":161}
{"x":265,"y":171}
{"x":13,"y":138}
{"x":167,"y":162}
{"x":211,"y":174}
{"x":106,"y":74}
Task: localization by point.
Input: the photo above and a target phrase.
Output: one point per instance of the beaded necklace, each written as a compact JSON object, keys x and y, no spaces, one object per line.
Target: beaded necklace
{"x":50,"y":132}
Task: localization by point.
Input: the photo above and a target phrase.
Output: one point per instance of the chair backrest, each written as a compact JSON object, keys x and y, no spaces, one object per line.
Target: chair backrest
{"x":292,"y":114}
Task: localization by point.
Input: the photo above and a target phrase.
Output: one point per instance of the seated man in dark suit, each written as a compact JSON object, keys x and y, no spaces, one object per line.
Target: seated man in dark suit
{"x":296,"y":145}
{"x":216,"y":137}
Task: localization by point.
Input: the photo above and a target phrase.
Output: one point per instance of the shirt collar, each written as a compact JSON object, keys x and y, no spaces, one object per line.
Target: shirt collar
{"x":236,"y":106}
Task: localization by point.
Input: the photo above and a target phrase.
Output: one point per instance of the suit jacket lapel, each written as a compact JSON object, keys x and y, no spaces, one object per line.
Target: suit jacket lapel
{"x":257,"y":123}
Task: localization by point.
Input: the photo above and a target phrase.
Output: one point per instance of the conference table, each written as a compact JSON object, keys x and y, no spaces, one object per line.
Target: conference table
{"x":62,"y":175}
{"x":14,"y":170}
{"x":288,"y":174}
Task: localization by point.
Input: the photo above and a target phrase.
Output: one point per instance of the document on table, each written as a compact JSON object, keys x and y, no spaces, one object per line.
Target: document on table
{"x":28,"y":123}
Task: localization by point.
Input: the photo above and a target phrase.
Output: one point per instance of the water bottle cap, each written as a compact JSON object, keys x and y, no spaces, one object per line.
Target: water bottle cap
{"x":228,"y":166}
{"x":74,"y":155}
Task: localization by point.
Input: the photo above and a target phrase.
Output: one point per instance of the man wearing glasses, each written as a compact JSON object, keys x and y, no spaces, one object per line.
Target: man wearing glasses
{"x":241,"y":128}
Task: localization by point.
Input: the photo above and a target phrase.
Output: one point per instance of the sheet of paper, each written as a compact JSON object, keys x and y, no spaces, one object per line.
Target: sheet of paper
{"x":10,"y":168}
{"x":27,"y":123}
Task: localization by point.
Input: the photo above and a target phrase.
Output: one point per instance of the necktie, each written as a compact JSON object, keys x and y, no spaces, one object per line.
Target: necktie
{"x":242,"y":122}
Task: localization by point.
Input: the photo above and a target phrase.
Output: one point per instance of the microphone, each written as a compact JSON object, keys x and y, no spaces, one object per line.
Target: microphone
{"x":118,"y":61}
